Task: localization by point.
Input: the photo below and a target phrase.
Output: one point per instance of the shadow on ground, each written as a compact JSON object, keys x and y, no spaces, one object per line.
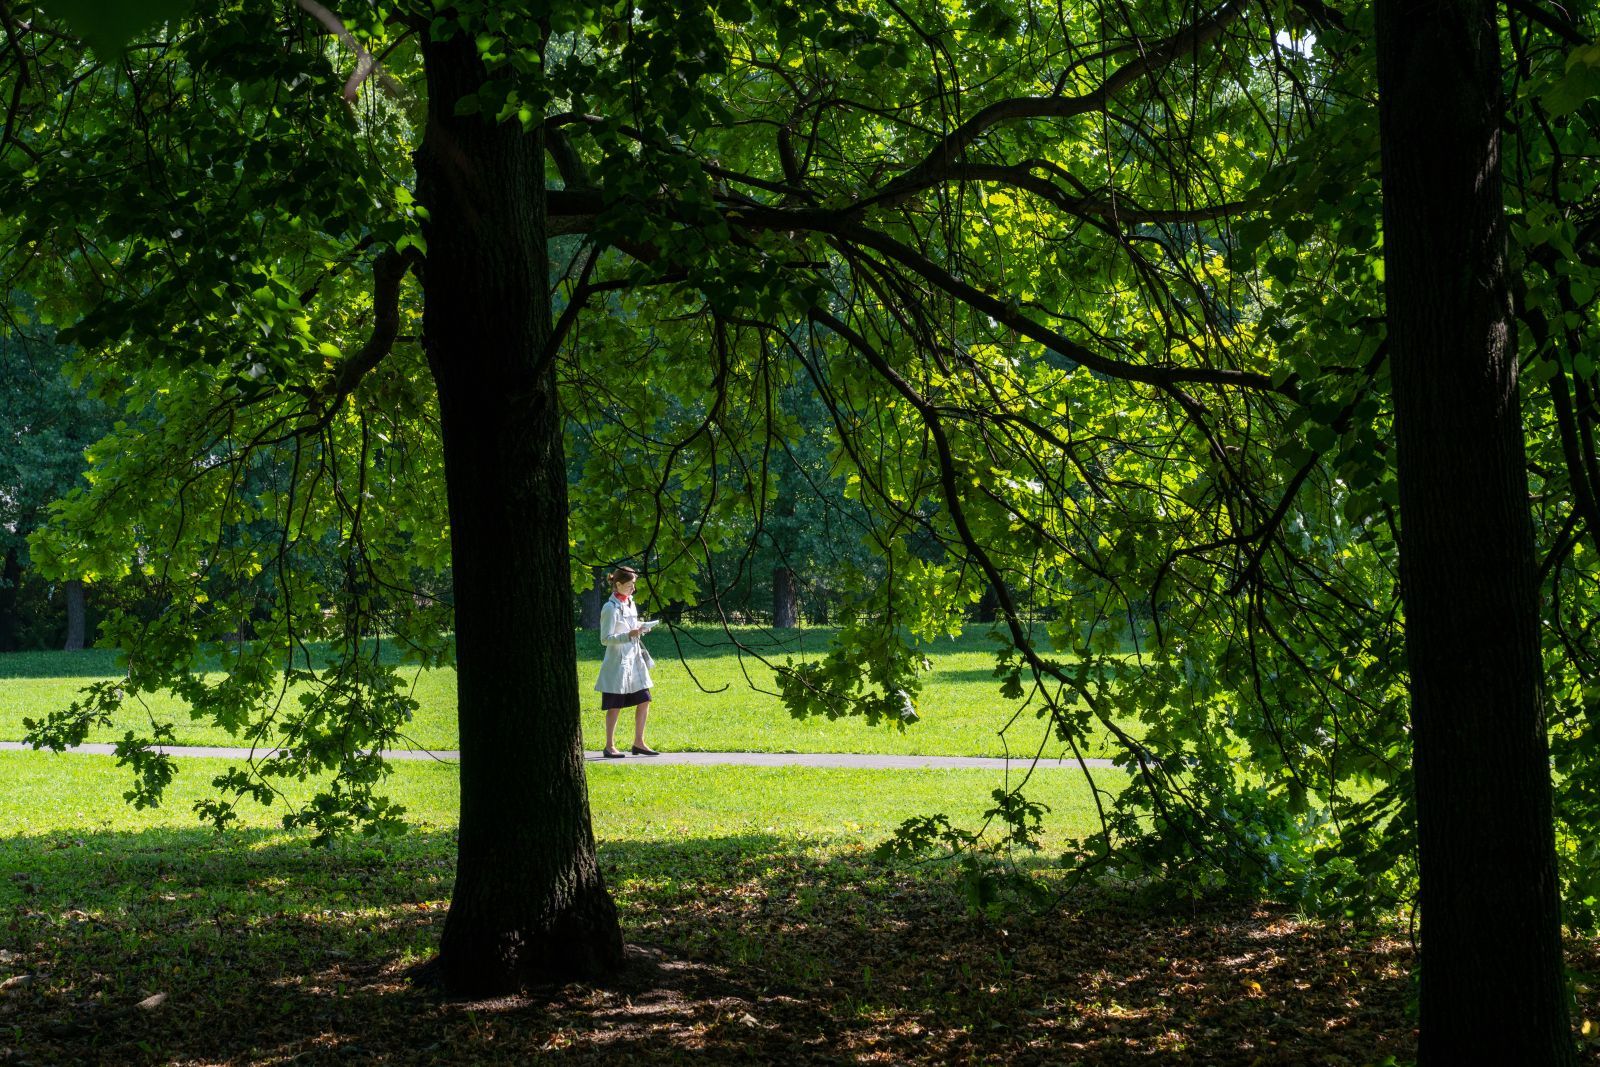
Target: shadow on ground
{"x":178,"y":946}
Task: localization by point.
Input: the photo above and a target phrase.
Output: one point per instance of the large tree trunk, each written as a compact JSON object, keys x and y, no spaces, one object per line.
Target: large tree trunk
{"x":1492,"y":989}
{"x":529,"y":904}
{"x":785,"y":599}
{"x":10,"y":585}
{"x":76,"y":611}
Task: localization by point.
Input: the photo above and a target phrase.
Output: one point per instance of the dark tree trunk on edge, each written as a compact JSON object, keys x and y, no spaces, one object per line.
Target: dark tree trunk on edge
{"x":593,"y":599}
{"x":785,"y":599}
{"x":529,"y":904}
{"x":75,"y":616}
{"x":1492,"y":988}
{"x":10,"y":585}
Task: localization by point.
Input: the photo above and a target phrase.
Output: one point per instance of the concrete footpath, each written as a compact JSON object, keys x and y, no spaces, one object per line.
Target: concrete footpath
{"x":864,"y":761}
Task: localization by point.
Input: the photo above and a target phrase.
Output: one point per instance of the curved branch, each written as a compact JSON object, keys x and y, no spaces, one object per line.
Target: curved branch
{"x":574,"y":211}
{"x":365,"y":64}
{"x":1021,"y":177}
{"x":1162,"y":375}
{"x":388,"y":270}
{"x":1173,"y":48}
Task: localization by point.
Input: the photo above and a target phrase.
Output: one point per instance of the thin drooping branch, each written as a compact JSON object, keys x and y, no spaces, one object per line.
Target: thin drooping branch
{"x":1149,"y":767}
{"x":1264,"y":536}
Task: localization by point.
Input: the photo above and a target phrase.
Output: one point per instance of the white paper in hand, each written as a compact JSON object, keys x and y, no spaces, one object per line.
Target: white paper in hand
{"x":646,"y":625}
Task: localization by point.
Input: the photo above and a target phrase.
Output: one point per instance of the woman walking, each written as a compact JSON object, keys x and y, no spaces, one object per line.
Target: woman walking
{"x":624,"y":680}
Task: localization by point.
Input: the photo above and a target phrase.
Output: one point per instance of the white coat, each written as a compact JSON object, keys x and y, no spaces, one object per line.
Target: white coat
{"x":626,"y":666}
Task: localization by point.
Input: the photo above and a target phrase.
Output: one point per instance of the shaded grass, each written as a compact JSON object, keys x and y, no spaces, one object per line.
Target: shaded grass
{"x":762,"y":932}
{"x":708,"y":700}
{"x":752,"y":948}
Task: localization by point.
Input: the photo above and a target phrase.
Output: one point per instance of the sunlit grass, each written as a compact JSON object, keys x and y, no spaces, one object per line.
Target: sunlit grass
{"x":712,"y":699}
{"x":49,"y":793}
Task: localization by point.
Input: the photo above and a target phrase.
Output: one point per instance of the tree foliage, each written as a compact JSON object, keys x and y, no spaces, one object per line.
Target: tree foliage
{"x":1090,"y":297}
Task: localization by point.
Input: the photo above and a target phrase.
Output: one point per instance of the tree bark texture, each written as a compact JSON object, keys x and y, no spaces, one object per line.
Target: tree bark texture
{"x":76,"y":613}
{"x":785,"y":599}
{"x":529,"y":904}
{"x":1492,"y":988}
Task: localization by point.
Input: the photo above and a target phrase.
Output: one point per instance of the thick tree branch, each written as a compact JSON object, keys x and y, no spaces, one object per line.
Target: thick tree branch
{"x":1163,"y":375}
{"x":388,"y":270}
{"x":1020,"y":176}
{"x":1173,"y":48}
{"x":574,"y":173}
{"x":1550,"y":21}
{"x":569,"y":314}
{"x":574,"y":211}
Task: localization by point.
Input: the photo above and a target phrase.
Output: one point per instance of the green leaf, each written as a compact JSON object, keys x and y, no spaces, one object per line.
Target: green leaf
{"x":1572,"y":90}
{"x":108,"y":25}
{"x":1283,"y":268}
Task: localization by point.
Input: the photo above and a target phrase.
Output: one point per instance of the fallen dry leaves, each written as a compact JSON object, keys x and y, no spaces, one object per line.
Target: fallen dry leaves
{"x":753,"y":952}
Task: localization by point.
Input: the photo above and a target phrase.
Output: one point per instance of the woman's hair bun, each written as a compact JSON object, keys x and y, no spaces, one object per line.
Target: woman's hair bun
{"x":623,"y":574}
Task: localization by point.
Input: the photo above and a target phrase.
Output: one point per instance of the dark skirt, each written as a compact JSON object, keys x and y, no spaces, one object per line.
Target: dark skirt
{"x":611,"y":701}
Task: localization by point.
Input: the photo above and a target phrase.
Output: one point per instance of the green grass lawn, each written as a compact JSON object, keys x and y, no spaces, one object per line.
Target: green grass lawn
{"x":709,"y":700}
{"x":49,"y":793}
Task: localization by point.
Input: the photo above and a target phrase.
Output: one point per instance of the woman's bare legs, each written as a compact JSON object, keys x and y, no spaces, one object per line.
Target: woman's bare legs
{"x":640,"y":714}
{"x":611,"y":728}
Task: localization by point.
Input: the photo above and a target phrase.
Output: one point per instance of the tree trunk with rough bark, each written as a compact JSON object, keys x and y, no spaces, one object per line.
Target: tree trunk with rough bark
{"x":1492,"y":988}
{"x":785,"y":599}
{"x":76,"y":613}
{"x":529,"y":904}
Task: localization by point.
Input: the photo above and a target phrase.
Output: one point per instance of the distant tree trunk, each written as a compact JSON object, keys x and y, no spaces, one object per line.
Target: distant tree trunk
{"x":75,"y":615}
{"x":10,"y":584}
{"x":593,"y":599}
{"x":1492,"y":988}
{"x":529,"y":904}
{"x":785,"y":599}
{"x":988,"y":604}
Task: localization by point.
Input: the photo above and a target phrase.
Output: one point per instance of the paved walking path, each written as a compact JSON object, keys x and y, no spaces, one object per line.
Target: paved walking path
{"x":699,"y":759}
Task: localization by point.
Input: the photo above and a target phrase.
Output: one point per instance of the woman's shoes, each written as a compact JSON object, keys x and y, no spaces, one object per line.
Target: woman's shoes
{"x":614,"y":753}
{"x":644,"y":750}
